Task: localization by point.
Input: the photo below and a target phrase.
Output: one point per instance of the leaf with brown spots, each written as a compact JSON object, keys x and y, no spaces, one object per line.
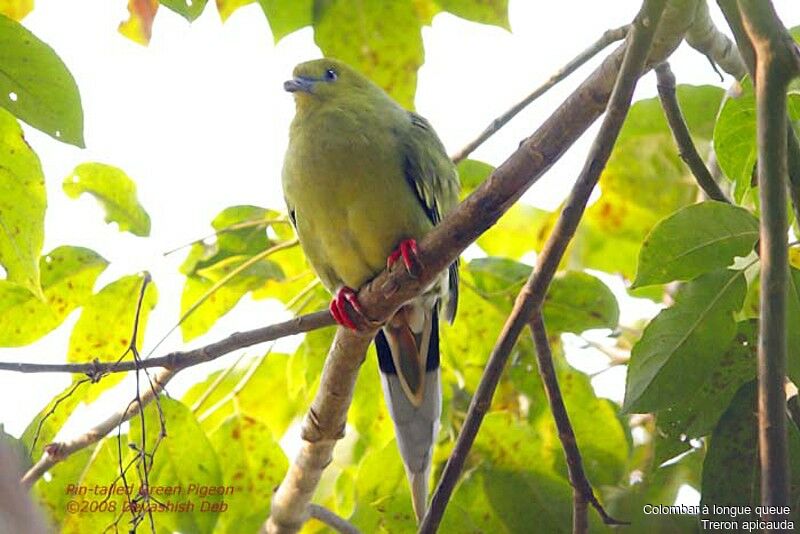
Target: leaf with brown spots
{"x":105,"y":326}
{"x":22,"y":205}
{"x":68,"y":276}
{"x":254,"y":464}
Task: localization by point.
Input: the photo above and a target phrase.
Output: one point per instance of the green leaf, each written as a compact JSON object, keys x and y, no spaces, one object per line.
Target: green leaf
{"x":36,"y":86}
{"x":751,"y":310}
{"x":730,"y":471}
{"x":696,"y":415}
{"x":51,"y":495}
{"x":521,"y":488}
{"x":598,"y":430}
{"x":222,"y":300}
{"x":105,"y":326}
{"x":287,"y":16}
{"x":735,"y":139}
{"x":522,"y":229}
{"x":471,"y":174}
{"x":22,"y":205}
{"x":645,"y":161}
{"x":188,"y":9}
{"x":578,"y":301}
{"x":735,"y":136}
{"x":115,"y":191}
{"x":681,"y":344}
{"x":101,"y":471}
{"x":252,"y":461}
{"x":383,"y":500}
{"x":659,"y":487}
{"x":381,"y":39}
{"x":793,"y":318}
{"x":485,"y":11}
{"x":185,"y":457}
{"x":575,"y":301}
{"x":695,"y":240}
{"x":239,"y":232}
{"x":68,"y":276}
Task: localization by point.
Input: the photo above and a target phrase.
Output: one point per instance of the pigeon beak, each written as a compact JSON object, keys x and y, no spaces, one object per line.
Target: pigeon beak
{"x":301,"y":84}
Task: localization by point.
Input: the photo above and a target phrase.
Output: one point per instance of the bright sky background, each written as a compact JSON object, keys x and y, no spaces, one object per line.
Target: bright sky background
{"x":199,"y":120}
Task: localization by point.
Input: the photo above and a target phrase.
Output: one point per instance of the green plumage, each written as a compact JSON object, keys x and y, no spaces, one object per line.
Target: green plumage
{"x":360,"y":174}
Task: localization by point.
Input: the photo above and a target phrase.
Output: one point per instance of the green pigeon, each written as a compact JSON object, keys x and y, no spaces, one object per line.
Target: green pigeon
{"x":364,"y":179}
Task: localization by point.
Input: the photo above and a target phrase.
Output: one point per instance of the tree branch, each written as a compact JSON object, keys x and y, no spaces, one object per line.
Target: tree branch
{"x":179,"y":360}
{"x":583,"y":493}
{"x":337,"y":523}
{"x":686,"y":148}
{"x":776,"y":65}
{"x":533,"y":293}
{"x":60,"y":451}
{"x":704,"y":37}
{"x":610,"y":36}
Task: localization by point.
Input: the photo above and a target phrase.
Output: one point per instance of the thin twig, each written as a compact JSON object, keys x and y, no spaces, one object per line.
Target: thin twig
{"x":686,"y":148}
{"x":532,"y":294}
{"x":57,"y":452}
{"x":240,"y":385}
{"x":337,"y":523}
{"x":224,"y":280}
{"x":776,"y":65}
{"x":216,"y":383}
{"x":577,"y":476}
{"x":180,"y":359}
{"x":610,"y":36}
{"x":256,"y":223}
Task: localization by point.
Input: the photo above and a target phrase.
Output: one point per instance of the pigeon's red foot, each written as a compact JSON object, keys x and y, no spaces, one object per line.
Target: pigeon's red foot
{"x":407,"y":249}
{"x":338,"y":308}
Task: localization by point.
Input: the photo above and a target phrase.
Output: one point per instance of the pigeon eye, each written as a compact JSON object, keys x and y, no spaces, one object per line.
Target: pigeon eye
{"x":330,"y":75}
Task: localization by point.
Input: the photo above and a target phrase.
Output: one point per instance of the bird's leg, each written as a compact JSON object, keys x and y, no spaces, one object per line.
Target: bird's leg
{"x":338,"y":308}
{"x":407,"y":249}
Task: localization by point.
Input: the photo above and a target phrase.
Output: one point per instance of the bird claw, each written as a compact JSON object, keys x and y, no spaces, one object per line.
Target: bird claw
{"x":407,"y":249}
{"x":343,"y":316}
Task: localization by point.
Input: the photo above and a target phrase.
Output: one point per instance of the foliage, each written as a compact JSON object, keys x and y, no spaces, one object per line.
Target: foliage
{"x":692,"y":366}
{"x":115,"y":191}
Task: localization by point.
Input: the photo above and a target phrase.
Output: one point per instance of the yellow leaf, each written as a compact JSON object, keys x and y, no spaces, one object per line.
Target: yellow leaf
{"x":227,"y":7}
{"x":139,"y":25}
{"x":16,"y":9}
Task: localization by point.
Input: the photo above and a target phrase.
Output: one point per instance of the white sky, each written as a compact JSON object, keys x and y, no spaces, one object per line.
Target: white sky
{"x":199,"y":120}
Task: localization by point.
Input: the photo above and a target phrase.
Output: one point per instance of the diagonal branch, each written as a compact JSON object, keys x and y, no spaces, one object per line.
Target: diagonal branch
{"x":532,"y":295}
{"x":610,"y":36}
{"x":57,"y":452}
{"x":686,"y":148}
{"x":777,"y":63}
{"x":390,"y":289}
